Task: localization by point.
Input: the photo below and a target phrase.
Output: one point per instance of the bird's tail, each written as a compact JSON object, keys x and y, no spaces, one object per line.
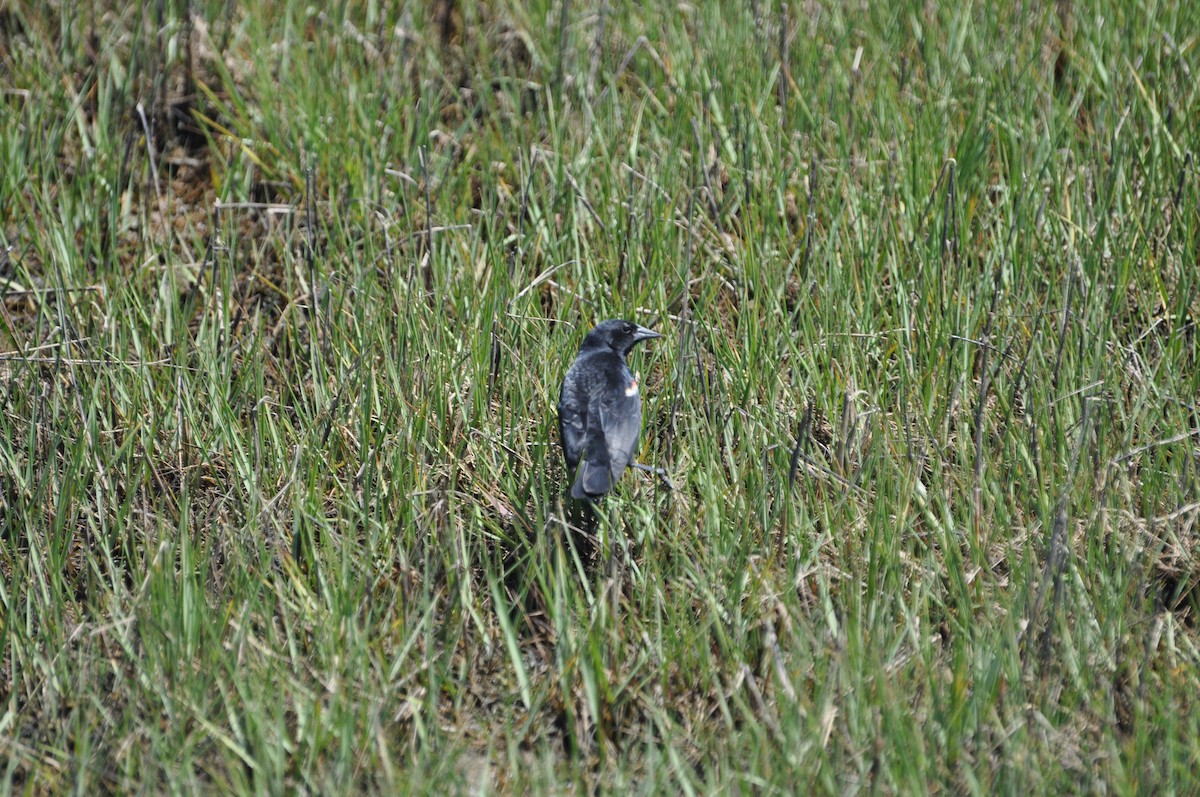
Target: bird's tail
{"x":591,"y":481}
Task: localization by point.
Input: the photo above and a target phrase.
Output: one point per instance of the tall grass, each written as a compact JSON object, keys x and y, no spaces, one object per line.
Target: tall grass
{"x":288,"y":292}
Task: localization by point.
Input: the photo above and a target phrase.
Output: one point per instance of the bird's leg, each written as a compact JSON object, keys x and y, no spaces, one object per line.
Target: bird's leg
{"x":659,"y":472}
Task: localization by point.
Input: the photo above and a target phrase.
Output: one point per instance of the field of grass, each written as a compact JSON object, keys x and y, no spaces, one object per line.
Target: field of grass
{"x":286,"y":294}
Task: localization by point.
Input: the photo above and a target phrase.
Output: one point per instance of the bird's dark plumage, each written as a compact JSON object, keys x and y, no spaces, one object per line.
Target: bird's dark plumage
{"x":600,"y":408}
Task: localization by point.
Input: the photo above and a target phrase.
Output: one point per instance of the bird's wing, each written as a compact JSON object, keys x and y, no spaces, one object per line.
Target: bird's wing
{"x":621,"y":422}
{"x":612,"y":432}
{"x":572,"y":425}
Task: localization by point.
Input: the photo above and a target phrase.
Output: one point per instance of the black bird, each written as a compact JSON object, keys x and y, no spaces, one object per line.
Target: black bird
{"x":599,"y":408}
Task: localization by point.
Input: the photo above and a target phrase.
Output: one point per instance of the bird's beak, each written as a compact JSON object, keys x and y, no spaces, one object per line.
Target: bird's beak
{"x":641,"y":333}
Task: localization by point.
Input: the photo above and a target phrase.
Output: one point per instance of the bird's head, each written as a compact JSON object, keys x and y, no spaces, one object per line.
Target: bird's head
{"x":620,"y":336}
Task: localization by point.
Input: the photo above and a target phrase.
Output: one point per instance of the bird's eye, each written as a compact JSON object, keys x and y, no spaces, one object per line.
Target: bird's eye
{"x":629,"y":329}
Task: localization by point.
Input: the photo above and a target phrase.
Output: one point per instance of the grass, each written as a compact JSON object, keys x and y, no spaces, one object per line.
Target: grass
{"x":288,"y":294}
